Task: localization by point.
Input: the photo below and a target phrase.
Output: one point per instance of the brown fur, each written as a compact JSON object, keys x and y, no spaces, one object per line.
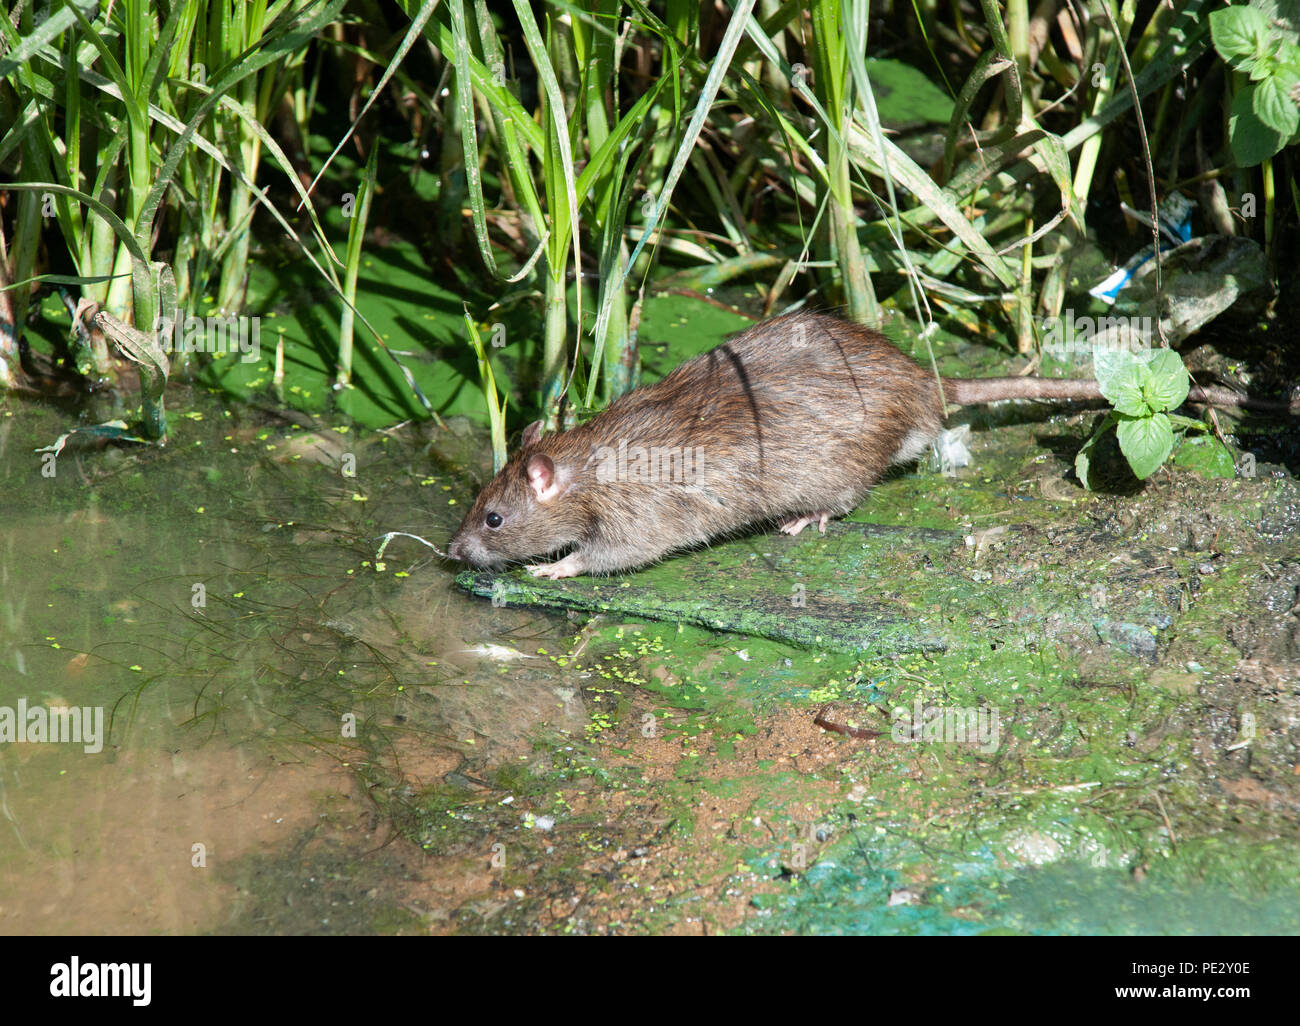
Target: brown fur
{"x":798,"y":415}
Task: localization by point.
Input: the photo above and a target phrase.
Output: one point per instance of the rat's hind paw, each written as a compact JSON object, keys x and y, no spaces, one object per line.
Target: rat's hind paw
{"x":796,"y":524}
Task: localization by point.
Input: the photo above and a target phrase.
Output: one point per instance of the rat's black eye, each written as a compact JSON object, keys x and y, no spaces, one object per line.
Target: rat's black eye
{"x":493,"y":520}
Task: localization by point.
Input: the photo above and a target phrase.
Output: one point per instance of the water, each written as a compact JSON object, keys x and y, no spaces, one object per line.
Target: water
{"x":217,"y":604}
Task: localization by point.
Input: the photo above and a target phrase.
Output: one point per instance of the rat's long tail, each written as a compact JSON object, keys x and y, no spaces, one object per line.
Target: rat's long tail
{"x":970,"y":391}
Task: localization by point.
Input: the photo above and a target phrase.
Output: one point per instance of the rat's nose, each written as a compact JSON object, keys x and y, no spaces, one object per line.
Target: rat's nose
{"x":455,"y":550}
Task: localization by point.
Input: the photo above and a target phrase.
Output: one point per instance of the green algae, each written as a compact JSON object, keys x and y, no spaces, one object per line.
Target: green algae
{"x":866,"y":588}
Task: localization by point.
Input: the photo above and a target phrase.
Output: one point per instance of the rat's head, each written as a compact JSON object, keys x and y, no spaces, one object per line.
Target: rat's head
{"x":525,"y":511}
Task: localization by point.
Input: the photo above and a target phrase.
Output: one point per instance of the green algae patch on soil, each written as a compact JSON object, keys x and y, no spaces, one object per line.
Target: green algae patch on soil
{"x":1093,"y":783}
{"x":863,"y":588}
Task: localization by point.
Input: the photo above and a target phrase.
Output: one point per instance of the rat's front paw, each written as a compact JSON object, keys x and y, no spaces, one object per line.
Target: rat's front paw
{"x":570,"y":566}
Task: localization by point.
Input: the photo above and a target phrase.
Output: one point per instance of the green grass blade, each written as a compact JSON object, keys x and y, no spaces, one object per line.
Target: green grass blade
{"x":53,"y":26}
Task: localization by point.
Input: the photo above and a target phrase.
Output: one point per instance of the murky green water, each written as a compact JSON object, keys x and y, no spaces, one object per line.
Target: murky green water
{"x":215,"y":608}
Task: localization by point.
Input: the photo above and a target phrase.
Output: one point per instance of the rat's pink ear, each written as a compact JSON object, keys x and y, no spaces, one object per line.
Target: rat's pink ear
{"x":531,"y":434}
{"x":543,"y":481}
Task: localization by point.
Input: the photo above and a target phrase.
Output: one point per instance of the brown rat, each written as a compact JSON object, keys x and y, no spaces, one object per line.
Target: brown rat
{"x":789,"y":423}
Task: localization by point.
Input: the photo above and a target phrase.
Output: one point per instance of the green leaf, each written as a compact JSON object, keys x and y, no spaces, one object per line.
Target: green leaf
{"x":1057,"y":160}
{"x":1111,"y":366}
{"x":904,"y":94}
{"x":1253,"y":142}
{"x":1258,"y":70}
{"x":1273,"y":104}
{"x":1239,"y":32}
{"x":1205,"y":455}
{"x":1168,"y":382}
{"x":1120,"y":376}
{"x":1083,"y":461}
{"x":53,"y":25}
{"x":940,"y":201}
{"x":1146,"y":442}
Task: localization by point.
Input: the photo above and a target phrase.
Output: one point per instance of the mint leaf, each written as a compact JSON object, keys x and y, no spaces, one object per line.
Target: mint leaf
{"x":1252,"y":141}
{"x":1273,"y":104}
{"x":1206,"y":456}
{"x":1111,"y":366}
{"x":1083,"y":463}
{"x":1083,"y":460}
{"x":1239,"y":32}
{"x":1259,"y":70}
{"x":1169,"y":381}
{"x":1120,"y":377}
{"x":1146,"y":442}
{"x":1255,"y":68}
